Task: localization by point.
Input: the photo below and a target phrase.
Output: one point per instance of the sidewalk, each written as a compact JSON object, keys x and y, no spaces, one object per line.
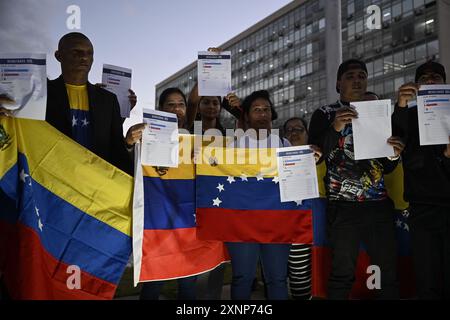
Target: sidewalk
{"x":226,"y":293}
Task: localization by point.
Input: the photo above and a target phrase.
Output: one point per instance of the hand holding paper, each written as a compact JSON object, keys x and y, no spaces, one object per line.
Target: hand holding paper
{"x":344,"y":116}
{"x":433,"y":112}
{"x":397,"y":144}
{"x":160,"y":139}
{"x":406,"y":93}
{"x":134,"y":134}
{"x":214,"y":73}
{"x":372,"y":129}
{"x":297,"y":173}
{"x":23,"y":85}
{"x":118,"y":81}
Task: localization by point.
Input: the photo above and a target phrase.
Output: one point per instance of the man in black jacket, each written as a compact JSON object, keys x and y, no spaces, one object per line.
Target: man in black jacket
{"x":84,"y":112}
{"x":359,"y":209}
{"x":427,"y":189}
{"x":88,"y":114}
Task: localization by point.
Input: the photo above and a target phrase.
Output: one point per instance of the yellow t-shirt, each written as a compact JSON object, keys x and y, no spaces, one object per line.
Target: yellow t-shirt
{"x":78,"y":97}
{"x":79,"y":111}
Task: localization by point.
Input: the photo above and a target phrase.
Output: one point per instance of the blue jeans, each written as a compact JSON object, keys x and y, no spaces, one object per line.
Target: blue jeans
{"x":244,"y":259}
{"x":186,"y":289}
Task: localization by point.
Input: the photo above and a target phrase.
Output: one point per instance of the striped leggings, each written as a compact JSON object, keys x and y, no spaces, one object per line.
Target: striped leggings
{"x":300,"y":271}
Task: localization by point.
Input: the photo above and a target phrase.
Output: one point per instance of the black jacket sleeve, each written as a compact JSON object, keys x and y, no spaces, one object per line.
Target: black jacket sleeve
{"x":388,"y":165}
{"x":446,"y":165}
{"x":121,"y":158}
{"x":322,"y":133}
{"x":400,"y":122}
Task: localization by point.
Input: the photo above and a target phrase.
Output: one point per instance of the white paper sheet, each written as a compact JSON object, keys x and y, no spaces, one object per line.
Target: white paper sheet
{"x":23,"y":78}
{"x":433,"y":112}
{"x":160,"y":139}
{"x":297,"y":173}
{"x":214,"y":73}
{"x":372,"y":129}
{"x":118,"y":81}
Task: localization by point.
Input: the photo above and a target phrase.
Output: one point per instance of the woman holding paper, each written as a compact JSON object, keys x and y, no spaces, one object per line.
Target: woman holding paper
{"x":172,"y":100}
{"x":204,"y":109}
{"x":207,"y":110}
{"x":295,"y":130}
{"x":259,"y":112}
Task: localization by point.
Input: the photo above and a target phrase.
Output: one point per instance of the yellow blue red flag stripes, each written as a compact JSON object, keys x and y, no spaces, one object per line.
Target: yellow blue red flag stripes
{"x":240,"y":201}
{"x":321,"y":251}
{"x":165,"y":244}
{"x":64,"y":212}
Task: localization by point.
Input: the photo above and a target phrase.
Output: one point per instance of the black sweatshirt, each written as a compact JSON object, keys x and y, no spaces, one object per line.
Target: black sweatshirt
{"x":347,"y":179}
{"x":426,"y":169}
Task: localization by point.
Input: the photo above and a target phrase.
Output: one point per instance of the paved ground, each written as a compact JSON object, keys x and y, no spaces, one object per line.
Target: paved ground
{"x":256,"y":295}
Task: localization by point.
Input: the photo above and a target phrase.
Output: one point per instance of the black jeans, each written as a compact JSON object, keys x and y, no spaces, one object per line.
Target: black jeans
{"x":372,"y":223}
{"x":429,"y":227}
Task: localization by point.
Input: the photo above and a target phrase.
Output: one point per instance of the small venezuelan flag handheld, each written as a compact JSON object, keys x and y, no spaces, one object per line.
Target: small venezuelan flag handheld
{"x":65,"y":217}
{"x":165,"y":243}
{"x":238,"y":199}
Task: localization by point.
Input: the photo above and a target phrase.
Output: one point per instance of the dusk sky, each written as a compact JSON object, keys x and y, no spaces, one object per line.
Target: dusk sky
{"x":153,"y":38}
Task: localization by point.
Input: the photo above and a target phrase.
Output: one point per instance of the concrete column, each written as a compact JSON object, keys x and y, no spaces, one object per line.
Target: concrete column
{"x":333,"y":45}
{"x":443,"y":10}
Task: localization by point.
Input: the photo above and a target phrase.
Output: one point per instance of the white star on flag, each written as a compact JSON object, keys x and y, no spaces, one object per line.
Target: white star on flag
{"x":85,"y":122}
{"x":217,"y":202}
{"x":23,"y":175}
{"x":405,"y":213}
{"x":74,"y":121}
{"x":37,"y":211}
{"x":299,"y":202}
{"x":230,"y":180}
{"x":405,"y":226}
{"x":275,"y":179}
{"x":40,"y":225}
{"x":195,"y":218}
{"x":244,"y":177}
{"x":220,"y":187}
{"x":398,"y":223}
{"x":260,"y":176}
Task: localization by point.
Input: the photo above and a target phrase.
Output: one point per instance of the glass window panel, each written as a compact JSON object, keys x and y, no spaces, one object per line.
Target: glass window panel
{"x":322,"y":23}
{"x":359,"y":26}
{"x":433,"y":48}
{"x":407,"y":5}
{"x":398,"y":60}
{"x":421,"y":52}
{"x":397,"y":10}
{"x":399,"y":81}
{"x":418,"y":3}
{"x":387,"y":14}
{"x":378,"y":67}
{"x":388,"y":86}
{"x":350,"y":7}
{"x":409,"y":56}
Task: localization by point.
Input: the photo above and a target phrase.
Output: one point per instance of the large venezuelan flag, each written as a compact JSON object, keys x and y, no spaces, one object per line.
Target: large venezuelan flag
{"x":321,"y":252}
{"x":240,"y":201}
{"x":61,"y":208}
{"x":166,"y":247}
